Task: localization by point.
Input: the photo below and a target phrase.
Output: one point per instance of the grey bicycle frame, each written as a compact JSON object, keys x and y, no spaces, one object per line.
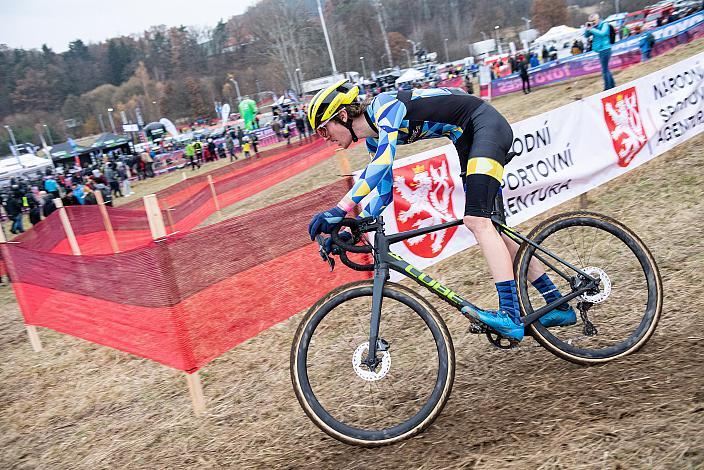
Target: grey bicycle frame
{"x":384,"y":260}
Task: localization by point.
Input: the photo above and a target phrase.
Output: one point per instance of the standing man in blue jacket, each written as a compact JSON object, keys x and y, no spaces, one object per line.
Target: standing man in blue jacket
{"x":601,"y":44}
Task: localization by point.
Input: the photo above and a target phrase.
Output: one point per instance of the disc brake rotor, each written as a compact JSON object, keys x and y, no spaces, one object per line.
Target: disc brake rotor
{"x":604,"y":285}
{"x":363,"y":371}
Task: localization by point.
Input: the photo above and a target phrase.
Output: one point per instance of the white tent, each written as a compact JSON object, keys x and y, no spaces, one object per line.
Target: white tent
{"x":409,"y":76}
{"x":558,"y":35}
{"x":29,"y":164}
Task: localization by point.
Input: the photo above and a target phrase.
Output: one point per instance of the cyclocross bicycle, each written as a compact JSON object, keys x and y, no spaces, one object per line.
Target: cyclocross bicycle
{"x":372,"y":362}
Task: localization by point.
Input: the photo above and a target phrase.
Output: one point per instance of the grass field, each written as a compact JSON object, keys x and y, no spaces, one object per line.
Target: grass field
{"x":78,"y":405}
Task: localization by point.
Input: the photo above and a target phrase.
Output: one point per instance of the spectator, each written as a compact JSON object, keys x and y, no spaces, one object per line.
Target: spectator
{"x":13,"y":207}
{"x":625,"y":31}
{"x":300,"y":125}
{"x":468,"y":84}
{"x":230,"y":142}
{"x":70,"y":199}
{"x":113,"y":182}
{"x":124,"y":179}
{"x":51,"y":186}
{"x":89,"y":197}
{"x":523,"y":65}
{"x":78,"y":192}
{"x":255,"y":141}
{"x":105,"y":191}
{"x":545,"y":53}
{"x":148,"y":163}
{"x":646,"y":45}
{"x":198,"y":145}
{"x":246,"y":146}
{"x":286,"y":134}
{"x":276,"y":127}
{"x":534,"y":62}
{"x":553,"y":52}
{"x":190,"y":153}
{"x":47,"y":202}
{"x":601,"y":44}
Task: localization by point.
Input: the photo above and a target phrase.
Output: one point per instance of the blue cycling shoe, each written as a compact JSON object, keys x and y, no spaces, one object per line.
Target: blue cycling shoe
{"x":498,"y":321}
{"x":557,"y":317}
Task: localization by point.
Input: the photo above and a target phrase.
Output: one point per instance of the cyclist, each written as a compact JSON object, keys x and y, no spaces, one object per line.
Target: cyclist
{"x":482,"y":137}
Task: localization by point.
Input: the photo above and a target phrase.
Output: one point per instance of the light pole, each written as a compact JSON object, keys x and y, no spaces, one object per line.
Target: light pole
{"x":483,"y":35}
{"x":528,"y":21}
{"x":496,"y":34}
{"x":327,"y":39}
{"x":237,"y":88}
{"x":447,"y":56}
{"x":364,"y":69}
{"x":408,"y":56}
{"x":48,"y":133}
{"x":158,"y":109}
{"x":617,"y":6}
{"x":380,"y":19}
{"x":13,"y":147}
{"x":112,"y":123}
{"x":102,"y":124}
{"x":299,"y":78}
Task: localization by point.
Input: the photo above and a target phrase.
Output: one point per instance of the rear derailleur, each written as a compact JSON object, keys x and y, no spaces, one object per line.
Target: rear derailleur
{"x":588,"y":329}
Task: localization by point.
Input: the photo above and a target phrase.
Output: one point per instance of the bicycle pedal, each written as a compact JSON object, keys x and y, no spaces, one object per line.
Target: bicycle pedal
{"x":476,"y":328}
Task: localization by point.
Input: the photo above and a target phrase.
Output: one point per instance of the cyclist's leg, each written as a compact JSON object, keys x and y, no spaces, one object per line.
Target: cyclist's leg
{"x":561,"y":316}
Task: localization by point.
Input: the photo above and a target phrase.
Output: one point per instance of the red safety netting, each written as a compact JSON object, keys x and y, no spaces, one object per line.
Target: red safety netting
{"x":186,"y":299}
{"x":129,"y":221}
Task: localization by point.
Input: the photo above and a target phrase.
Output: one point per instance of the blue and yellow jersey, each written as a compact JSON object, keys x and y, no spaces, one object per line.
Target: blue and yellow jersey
{"x":430,"y":113}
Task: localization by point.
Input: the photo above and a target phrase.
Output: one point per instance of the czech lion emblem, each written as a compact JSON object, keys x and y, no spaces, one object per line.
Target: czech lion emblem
{"x":625,"y":125}
{"x":424,"y":198}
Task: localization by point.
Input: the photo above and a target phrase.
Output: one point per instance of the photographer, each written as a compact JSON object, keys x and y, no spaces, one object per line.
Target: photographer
{"x":601,"y":44}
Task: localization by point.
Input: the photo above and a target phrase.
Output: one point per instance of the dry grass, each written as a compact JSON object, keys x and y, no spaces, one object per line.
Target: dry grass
{"x":77,"y":405}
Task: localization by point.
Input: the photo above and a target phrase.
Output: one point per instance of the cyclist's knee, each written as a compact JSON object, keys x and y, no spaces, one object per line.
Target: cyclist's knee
{"x":478,"y":224}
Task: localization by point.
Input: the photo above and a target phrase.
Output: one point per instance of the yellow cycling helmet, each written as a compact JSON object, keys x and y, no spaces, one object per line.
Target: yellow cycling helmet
{"x":328,"y":101}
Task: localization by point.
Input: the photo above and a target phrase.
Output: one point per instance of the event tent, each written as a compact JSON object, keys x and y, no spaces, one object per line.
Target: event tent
{"x":558,"y":35}
{"x":63,"y":151}
{"x":28,"y":165}
{"x":108,"y":141}
{"x":409,"y":76}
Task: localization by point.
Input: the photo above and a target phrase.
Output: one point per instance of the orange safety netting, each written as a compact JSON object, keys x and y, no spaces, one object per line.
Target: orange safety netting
{"x":186,"y":299}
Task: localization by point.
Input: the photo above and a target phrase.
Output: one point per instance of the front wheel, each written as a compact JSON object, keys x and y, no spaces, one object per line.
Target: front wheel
{"x":398,"y":398}
{"x":612,"y":322}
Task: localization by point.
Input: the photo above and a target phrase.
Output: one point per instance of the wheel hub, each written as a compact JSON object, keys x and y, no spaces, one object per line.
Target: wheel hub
{"x":604,"y":285}
{"x":363,"y":371}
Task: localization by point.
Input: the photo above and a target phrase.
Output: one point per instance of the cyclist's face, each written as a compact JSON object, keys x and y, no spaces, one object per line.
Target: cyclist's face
{"x":333,"y":131}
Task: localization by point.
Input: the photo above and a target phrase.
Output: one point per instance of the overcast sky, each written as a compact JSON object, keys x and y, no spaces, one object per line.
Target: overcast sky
{"x":31,"y":23}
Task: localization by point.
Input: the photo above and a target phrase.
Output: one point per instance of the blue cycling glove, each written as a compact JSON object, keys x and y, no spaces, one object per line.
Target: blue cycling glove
{"x":323,"y":222}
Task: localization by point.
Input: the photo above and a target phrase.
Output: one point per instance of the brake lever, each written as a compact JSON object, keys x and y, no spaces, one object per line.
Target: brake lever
{"x":323,"y":254}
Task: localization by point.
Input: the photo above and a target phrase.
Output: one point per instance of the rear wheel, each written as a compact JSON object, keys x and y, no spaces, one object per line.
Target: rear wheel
{"x":396,"y":399}
{"x":619,"y":318}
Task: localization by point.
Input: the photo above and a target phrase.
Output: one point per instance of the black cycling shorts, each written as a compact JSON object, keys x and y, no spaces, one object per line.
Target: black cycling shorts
{"x":482,"y":149}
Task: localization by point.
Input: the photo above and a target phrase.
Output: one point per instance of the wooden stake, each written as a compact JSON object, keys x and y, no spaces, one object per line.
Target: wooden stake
{"x":156,"y":221}
{"x":583,"y":201}
{"x":67,"y":227}
{"x":215,"y":195}
{"x":195,"y":390}
{"x":31,"y":329}
{"x":156,"y":225}
{"x":170,"y":219}
{"x":106,"y":221}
